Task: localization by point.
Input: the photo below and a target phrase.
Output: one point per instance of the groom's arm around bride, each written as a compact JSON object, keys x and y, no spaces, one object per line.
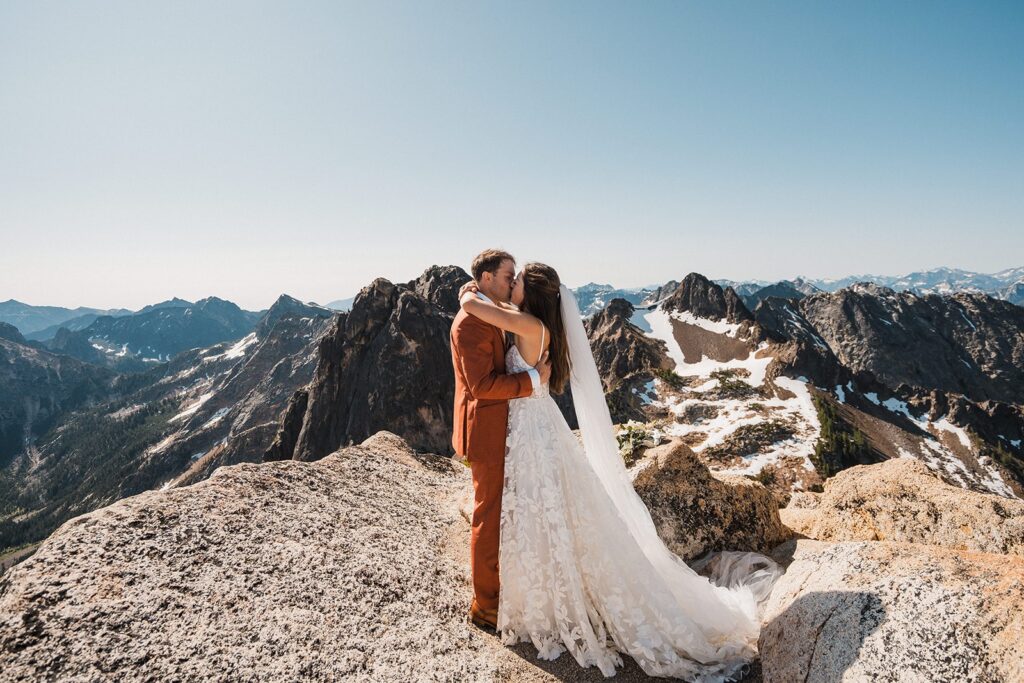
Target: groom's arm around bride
{"x":482,"y":388}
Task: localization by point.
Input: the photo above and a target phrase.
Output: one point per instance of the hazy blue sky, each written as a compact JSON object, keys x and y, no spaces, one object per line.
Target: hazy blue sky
{"x":151,"y":150}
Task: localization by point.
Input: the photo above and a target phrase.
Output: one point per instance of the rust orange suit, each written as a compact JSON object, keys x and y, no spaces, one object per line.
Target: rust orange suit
{"x":482,"y":392}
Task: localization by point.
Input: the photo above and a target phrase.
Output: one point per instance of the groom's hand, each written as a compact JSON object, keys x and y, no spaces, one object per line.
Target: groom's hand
{"x":544,"y":368}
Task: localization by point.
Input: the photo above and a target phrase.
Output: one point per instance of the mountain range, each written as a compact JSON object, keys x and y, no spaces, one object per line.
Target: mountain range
{"x":786,"y":383}
{"x":1006,"y":284}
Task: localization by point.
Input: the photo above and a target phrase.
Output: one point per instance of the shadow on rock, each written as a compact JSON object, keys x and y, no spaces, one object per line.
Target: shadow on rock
{"x":565,"y":668}
{"x":819,"y":635}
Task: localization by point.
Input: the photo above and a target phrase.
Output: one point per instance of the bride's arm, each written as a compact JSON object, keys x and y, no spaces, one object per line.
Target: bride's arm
{"x":506,"y":318}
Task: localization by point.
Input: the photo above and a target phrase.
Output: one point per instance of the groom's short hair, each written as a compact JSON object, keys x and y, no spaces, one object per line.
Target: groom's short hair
{"x":489,"y":261}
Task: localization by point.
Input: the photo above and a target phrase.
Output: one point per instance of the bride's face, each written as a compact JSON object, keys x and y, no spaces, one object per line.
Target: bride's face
{"x":518,"y":290}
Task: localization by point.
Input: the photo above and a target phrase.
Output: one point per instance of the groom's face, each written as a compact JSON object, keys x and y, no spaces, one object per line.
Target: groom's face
{"x":500,"y":281}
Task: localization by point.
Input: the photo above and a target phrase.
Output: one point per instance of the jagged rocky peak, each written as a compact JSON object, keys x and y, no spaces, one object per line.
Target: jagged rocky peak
{"x":384,"y":364}
{"x":288,"y":305}
{"x":440,"y":286}
{"x":372,"y":305}
{"x":616,"y":310}
{"x":11,"y":333}
{"x":621,"y":349}
{"x":705,"y":299}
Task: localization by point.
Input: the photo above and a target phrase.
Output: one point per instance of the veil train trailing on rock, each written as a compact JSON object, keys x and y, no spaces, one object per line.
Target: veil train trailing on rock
{"x":741,"y":572}
{"x":583,"y":567}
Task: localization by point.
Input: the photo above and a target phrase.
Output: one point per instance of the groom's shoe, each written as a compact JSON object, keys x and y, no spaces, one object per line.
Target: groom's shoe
{"x":484,"y":618}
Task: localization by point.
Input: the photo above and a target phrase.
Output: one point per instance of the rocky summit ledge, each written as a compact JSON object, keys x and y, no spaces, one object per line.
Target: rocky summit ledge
{"x":888,"y":611}
{"x":353,"y":567}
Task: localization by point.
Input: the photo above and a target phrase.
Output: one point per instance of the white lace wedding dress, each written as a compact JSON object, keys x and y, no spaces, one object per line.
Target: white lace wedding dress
{"x":575,"y":576}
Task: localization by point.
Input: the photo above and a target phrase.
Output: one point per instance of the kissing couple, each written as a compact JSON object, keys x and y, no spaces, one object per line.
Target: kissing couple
{"x":582,"y":567}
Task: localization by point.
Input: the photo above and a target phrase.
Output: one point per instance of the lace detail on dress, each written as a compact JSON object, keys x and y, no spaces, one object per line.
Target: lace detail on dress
{"x":514,"y":362}
{"x":573,"y":578}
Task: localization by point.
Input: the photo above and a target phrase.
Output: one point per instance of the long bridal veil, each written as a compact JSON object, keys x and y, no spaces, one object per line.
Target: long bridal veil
{"x":739,"y":581}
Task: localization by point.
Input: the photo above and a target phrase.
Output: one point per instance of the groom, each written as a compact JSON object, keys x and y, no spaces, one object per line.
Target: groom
{"x":482,"y":392}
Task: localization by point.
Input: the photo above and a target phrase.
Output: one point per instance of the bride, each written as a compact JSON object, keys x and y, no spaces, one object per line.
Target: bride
{"x":582,"y":566}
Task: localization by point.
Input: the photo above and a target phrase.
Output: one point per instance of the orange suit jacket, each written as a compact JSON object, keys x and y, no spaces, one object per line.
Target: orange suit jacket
{"x":482,"y":389}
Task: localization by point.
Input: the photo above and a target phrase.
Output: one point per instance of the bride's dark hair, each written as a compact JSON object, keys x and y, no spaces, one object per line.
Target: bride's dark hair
{"x":542,"y":299}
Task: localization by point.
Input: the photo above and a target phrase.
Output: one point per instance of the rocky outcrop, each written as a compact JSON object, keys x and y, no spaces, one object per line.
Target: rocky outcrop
{"x":705,"y":299}
{"x":970,"y":344}
{"x":884,"y":611}
{"x":627,"y":360}
{"x":696,"y":512}
{"x":11,"y":333}
{"x":278,"y":571}
{"x":440,"y":286}
{"x":620,"y":348}
{"x":354,"y":567}
{"x":287,"y":435}
{"x":902,"y":500}
{"x":384,"y":364}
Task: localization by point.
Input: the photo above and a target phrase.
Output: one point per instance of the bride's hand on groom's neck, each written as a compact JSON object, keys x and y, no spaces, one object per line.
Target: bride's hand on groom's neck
{"x":468,"y":291}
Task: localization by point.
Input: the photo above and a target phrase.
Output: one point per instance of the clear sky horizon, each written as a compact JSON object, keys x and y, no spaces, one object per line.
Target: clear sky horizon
{"x":249,"y":149}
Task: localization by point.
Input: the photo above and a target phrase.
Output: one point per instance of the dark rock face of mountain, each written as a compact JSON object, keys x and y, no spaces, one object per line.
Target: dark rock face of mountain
{"x":620,"y":348}
{"x":703,"y":298}
{"x":384,"y":364}
{"x":239,"y":421}
{"x":784,"y":289}
{"x":11,"y":333}
{"x":800,"y":349}
{"x":440,"y":285}
{"x":626,"y":358}
{"x":159,"y":332}
{"x":36,"y":387}
{"x":970,"y":344}
{"x":76,"y":345}
{"x":781,"y":319}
